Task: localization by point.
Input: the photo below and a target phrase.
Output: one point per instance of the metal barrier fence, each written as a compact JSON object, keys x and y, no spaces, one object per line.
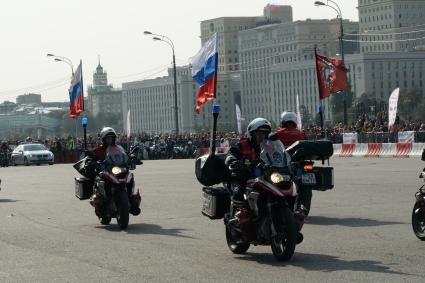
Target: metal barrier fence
{"x":372,"y":137}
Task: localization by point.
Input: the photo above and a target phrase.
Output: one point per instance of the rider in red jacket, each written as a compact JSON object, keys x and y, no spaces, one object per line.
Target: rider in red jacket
{"x":289,"y":133}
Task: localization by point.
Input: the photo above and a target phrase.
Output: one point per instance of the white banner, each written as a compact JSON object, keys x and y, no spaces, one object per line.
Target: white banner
{"x":128,"y":124}
{"x":239,"y":119}
{"x":406,"y":137}
{"x":299,"y":122}
{"x":392,"y":107}
{"x":349,"y":138}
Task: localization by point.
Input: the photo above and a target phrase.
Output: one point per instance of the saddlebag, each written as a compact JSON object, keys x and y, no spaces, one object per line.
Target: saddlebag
{"x":83,"y":188}
{"x":324,"y":178}
{"x":311,"y":150}
{"x":215,"y":202}
{"x":210,"y":170}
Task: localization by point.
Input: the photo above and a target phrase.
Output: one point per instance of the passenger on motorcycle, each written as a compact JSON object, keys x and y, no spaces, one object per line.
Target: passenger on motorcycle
{"x":289,"y":134}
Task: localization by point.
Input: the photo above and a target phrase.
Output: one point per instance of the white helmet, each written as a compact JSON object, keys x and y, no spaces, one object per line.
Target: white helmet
{"x":288,"y":117}
{"x":107,"y":131}
{"x":259,"y":124}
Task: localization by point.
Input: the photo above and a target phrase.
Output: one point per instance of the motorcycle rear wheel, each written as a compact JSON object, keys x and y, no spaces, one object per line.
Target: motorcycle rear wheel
{"x":283,"y":246}
{"x":236,"y":248}
{"x":123,"y":209}
{"x":418,"y":221}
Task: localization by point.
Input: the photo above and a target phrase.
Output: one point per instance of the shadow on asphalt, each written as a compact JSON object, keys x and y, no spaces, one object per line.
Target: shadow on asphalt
{"x":8,"y":200}
{"x":348,"y":222}
{"x":324,"y":263}
{"x":148,"y":229}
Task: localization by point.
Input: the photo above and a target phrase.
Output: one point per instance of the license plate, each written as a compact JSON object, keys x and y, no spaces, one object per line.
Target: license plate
{"x":308,"y":179}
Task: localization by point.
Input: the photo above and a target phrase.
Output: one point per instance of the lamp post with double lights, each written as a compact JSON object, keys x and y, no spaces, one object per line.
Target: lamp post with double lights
{"x":163,"y":38}
{"x":333,"y":5}
{"x":62,"y":59}
{"x":67,"y":61}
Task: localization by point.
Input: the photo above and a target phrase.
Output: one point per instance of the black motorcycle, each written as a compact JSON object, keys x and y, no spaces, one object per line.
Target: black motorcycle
{"x":418,"y":213}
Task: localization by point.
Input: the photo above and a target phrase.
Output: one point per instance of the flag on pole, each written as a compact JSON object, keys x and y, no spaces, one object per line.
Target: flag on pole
{"x":76,"y":93}
{"x":204,"y":71}
{"x":392,"y":107}
{"x":331,"y":75}
{"x":128,"y":124}
{"x":239,"y":119}
{"x":299,"y":125}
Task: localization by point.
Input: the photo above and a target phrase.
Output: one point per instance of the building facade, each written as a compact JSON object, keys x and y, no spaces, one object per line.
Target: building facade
{"x":103,"y":97}
{"x":151,"y":104}
{"x":277,"y":64}
{"x":30,"y":98}
{"x":391,"y":25}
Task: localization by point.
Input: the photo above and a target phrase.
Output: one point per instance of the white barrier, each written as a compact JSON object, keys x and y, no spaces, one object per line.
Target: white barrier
{"x":361,"y":150}
{"x":388,"y":150}
{"x":417,"y":149}
{"x":337,"y":149}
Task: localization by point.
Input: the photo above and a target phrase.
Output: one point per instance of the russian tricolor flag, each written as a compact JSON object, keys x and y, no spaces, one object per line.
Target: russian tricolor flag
{"x":204,"y":71}
{"x":76,"y":93}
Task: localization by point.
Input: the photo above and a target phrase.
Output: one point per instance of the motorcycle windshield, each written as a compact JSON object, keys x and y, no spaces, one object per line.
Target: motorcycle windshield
{"x":273,"y":154}
{"x":116,"y":156}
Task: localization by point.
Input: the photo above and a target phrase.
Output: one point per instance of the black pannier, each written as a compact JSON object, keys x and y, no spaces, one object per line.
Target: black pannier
{"x":311,"y":150}
{"x":215,"y":202}
{"x":83,"y":188}
{"x":210,"y":170}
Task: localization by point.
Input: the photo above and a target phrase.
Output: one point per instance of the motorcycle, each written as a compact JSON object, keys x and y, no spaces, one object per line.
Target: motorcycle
{"x":418,"y":212}
{"x":267,"y":217}
{"x":113,"y":194}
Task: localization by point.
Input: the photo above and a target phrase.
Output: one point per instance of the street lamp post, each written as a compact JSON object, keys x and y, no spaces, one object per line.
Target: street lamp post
{"x":167,"y":40}
{"x":341,"y":41}
{"x":67,"y":61}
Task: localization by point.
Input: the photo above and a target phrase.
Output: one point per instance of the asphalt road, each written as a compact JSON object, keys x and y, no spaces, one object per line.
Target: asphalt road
{"x":359,"y":232}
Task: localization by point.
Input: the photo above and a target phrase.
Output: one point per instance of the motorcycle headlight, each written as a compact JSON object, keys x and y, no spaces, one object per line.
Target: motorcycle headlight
{"x":278,"y":178}
{"x":117,"y":170}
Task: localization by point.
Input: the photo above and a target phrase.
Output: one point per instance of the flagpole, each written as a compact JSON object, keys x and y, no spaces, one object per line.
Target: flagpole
{"x":322,"y":132}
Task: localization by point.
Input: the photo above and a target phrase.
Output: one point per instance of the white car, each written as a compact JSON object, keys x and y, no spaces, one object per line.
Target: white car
{"x":27,"y":154}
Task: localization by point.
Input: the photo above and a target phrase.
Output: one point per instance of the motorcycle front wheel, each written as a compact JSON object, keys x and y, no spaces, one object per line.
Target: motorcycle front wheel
{"x":283,"y":246}
{"x":418,"y":220}
{"x":236,"y":248}
{"x":123,"y":209}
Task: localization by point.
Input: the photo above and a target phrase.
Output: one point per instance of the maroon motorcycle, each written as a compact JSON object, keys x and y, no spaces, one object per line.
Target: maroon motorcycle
{"x":112,"y":193}
{"x":266,"y":217}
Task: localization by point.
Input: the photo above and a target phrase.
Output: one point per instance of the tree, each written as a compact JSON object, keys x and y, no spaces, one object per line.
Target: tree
{"x":337,"y":105}
{"x":408,"y":104}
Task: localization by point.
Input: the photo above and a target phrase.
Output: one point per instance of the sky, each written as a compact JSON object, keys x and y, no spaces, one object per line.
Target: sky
{"x":113,"y":30}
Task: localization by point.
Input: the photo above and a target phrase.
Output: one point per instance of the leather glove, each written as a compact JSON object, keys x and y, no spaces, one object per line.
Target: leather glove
{"x":239,"y":170}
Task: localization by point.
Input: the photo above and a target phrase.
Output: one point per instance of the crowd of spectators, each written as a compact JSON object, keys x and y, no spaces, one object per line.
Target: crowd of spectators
{"x":370,"y":128}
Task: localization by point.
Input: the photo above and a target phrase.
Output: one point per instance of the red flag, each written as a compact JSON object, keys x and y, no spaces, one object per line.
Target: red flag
{"x":331,"y":76}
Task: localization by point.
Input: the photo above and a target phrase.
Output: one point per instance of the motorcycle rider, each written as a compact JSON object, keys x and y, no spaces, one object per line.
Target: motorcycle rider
{"x":108,"y":137}
{"x":289,"y":134}
{"x":244,"y":157}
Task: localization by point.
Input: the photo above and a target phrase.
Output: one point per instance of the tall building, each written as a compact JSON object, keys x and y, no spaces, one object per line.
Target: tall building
{"x":391,"y":25}
{"x":276,"y":62}
{"x":103,"y":97}
{"x":151,"y":104}
{"x":30,"y":98}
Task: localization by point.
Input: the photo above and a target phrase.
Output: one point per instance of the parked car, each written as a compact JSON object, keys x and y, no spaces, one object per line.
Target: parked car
{"x":27,"y":154}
